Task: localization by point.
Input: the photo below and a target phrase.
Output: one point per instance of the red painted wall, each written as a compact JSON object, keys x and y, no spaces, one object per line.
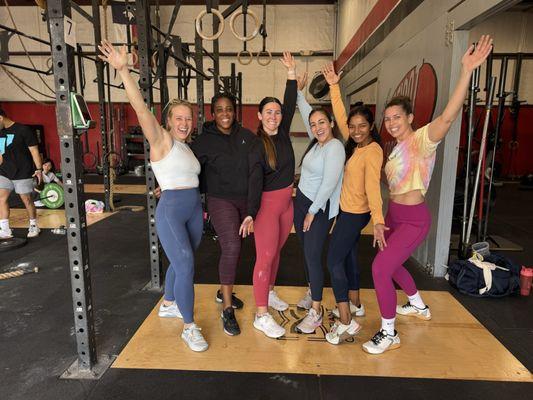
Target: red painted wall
{"x":518,"y":163}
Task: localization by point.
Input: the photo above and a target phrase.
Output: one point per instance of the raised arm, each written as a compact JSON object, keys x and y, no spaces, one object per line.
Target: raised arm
{"x":332,"y":78}
{"x":119,"y":60}
{"x":472,"y":59}
{"x":303,"y":105}
{"x":289,"y":98}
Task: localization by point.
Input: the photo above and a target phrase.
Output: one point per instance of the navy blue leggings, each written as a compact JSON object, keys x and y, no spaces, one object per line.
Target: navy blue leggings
{"x":179,"y":224}
{"x":342,"y":253}
{"x":312,"y":241}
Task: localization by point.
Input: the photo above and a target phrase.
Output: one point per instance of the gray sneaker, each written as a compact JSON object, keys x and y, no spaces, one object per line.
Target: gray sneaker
{"x":311,"y":321}
{"x":306,"y":302}
{"x":410,"y":310}
{"x":340,"y":333}
{"x":382,"y":342}
{"x":194,"y":338}
{"x":171,"y":311}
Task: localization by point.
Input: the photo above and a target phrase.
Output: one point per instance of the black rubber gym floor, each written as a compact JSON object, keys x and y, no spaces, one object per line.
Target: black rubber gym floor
{"x":37,"y":341}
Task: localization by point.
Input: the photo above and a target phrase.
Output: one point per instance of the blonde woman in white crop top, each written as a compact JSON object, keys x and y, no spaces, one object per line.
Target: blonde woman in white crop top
{"x":179,"y":218}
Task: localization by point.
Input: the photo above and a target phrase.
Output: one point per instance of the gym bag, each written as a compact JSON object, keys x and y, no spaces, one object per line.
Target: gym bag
{"x":489,"y":276}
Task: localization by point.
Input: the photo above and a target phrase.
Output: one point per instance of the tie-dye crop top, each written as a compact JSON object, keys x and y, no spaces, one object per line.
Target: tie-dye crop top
{"x":410,"y":164}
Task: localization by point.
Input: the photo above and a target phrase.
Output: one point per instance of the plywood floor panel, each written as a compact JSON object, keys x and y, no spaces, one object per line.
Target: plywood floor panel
{"x":49,"y":219}
{"x":453,"y":345}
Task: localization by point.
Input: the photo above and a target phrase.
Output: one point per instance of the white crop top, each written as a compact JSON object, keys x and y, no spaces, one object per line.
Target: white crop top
{"x":179,"y":168}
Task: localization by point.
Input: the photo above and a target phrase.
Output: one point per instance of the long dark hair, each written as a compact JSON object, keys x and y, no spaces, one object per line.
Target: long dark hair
{"x":315,"y":140}
{"x":366,"y":113}
{"x":270,"y":148}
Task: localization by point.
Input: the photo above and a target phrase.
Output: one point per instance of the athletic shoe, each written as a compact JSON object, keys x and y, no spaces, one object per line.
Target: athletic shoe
{"x":6,"y":234}
{"x":381,"y":342}
{"x":409,"y":309}
{"x":275,"y":302}
{"x":194,"y":338}
{"x":171,"y":311}
{"x":230,"y":324}
{"x":354,"y":310}
{"x":311,"y":321}
{"x":268,"y":325}
{"x":38,"y":203}
{"x":340,"y":333}
{"x":306,"y":302}
{"x":33,"y":231}
{"x":235,"y":301}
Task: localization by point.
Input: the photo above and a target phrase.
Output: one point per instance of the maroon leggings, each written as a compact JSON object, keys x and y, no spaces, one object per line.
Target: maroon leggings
{"x":226,"y":216}
{"x":272,"y":227}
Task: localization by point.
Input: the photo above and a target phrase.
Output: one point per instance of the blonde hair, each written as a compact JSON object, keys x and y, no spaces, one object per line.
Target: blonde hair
{"x":167,"y":111}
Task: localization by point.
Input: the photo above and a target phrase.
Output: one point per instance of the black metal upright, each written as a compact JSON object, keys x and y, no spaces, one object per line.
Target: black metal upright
{"x":101,"y":104}
{"x":142,"y":10}
{"x":216,"y":50}
{"x":72,"y":168}
{"x":199,"y":61}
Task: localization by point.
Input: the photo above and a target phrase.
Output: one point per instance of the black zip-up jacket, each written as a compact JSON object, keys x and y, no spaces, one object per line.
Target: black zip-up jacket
{"x":224,"y":161}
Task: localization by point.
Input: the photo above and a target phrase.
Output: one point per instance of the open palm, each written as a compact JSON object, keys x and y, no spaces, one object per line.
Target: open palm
{"x":288,"y":61}
{"x":474,"y":57}
{"x":117,"y":59}
{"x":330,"y":75}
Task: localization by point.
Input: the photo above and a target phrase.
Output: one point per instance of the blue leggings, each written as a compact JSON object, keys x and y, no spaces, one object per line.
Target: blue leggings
{"x":179,"y":224}
{"x":342,"y":253}
{"x":312,"y":242}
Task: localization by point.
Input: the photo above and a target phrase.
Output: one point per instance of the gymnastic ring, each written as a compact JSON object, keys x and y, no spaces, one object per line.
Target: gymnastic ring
{"x":266,"y":59}
{"x":134,"y":58}
{"x":245,"y":61}
{"x":154,"y":59}
{"x":198,"y":20}
{"x":232,"y":25}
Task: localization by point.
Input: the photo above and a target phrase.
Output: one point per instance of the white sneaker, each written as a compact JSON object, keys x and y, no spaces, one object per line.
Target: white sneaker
{"x":354,"y":310}
{"x":38,"y":203}
{"x":275,"y":302}
{"x":194,"y":338}
{"x":33,"y":231}
{"x":340,"y":332}
{"x":381,"y":342}
{"x":6,"y":233}
{"x":171,"y":311}
{"x":311,"y":321}
{"x":409,"y":309}
{"x":306,"y":302}
{"x":268,"y":325}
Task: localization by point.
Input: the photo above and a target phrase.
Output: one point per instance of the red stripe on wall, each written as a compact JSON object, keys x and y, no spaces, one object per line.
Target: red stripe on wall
{"x":373,"y":20}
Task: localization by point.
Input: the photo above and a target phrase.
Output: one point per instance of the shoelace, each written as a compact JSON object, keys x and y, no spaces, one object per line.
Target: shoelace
{"x":378,"y":337}
{"x":334,"y":328}
{"x":196,"y":335}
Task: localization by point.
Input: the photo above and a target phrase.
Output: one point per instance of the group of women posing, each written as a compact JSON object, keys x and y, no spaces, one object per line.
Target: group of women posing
{"x":248,"y":179}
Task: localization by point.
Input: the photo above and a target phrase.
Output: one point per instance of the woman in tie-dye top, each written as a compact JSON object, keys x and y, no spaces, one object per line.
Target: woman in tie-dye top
{"x":408,"y":219}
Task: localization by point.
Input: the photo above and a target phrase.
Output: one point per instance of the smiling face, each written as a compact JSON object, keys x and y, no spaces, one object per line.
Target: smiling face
{"x":360,"y":129}
{"x":224,"y":114}
{"x":270,"y":117}
{"x":179,"y":122}
{"x":321,"y":127}
{"x":397,"y":122}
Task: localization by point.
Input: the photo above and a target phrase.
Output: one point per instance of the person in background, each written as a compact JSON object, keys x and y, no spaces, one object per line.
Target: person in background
{"x":49,"y":176}
{"x":20,"y":162}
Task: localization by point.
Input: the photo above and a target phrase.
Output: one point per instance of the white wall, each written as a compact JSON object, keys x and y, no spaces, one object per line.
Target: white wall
{"x":292,"y":28}
{"x":351,"y":14}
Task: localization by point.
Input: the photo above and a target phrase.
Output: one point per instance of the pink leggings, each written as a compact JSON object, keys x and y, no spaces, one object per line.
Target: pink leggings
{"x":272,"y":226}
{"x":409,"y":226}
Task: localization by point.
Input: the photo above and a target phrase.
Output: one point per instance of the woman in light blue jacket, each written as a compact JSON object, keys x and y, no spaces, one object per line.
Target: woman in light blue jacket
{"x":317,"y":201}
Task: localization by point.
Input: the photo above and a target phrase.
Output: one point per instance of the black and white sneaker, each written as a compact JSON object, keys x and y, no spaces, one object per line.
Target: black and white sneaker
{"x":230,"y":324}
{"x":381,"y":342}
{"x":236,"y":303}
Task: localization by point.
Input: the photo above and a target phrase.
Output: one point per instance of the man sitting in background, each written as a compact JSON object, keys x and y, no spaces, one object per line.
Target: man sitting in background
{"x":19,"y":155}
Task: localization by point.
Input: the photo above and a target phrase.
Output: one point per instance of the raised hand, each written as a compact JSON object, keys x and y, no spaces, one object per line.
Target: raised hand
{"x":288,"y":61}
{"x":329,"y":73}
{"x":117,"y":59}
{"x":474,"y":57}
{"x":302,"y":81}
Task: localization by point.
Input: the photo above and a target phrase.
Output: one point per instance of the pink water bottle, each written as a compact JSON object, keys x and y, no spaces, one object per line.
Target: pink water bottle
{"x":526,"y":276}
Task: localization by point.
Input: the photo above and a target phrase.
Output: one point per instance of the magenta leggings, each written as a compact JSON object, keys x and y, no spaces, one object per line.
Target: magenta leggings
{"x":409,"y":226}
{"x":272,"y":226}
